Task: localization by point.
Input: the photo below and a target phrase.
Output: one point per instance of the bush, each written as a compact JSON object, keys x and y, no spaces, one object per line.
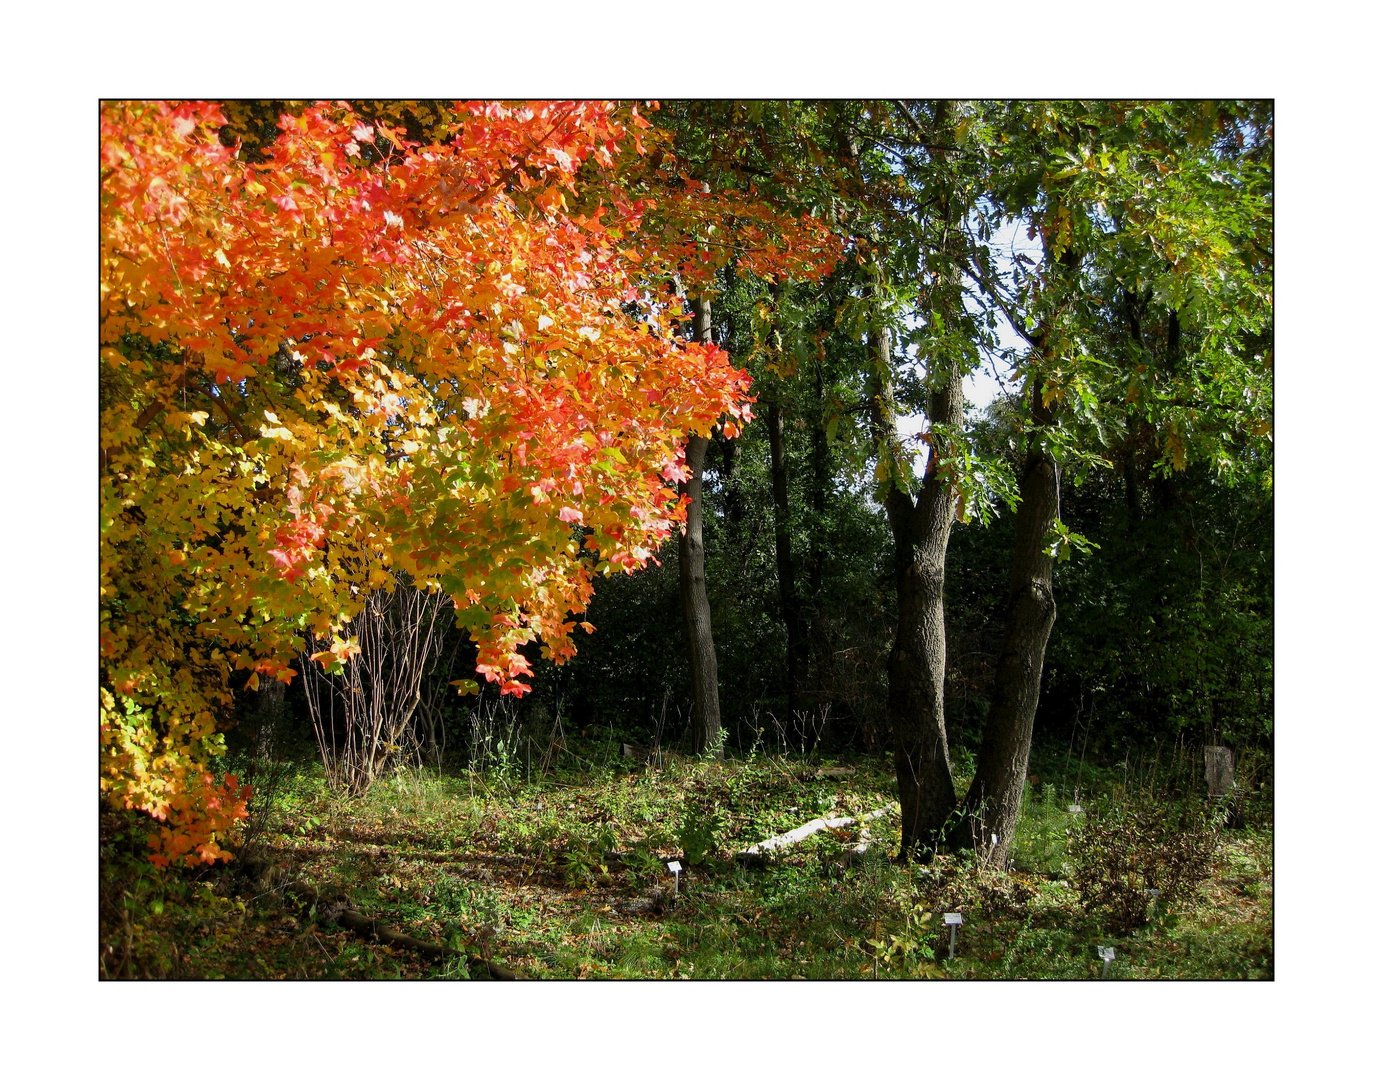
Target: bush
{"x":1121,"y":852}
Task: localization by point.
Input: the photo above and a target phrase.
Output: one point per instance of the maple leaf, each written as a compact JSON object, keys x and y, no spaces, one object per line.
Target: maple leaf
{"x":236,"y":264}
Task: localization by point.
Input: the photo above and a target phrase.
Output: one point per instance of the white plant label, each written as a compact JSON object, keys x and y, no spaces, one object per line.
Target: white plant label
{"x":1106,"y":952}
{"x":953,"y":918}
{"x":675,"y":866}
{"x":1075,"y":809}
{"x":993,"y":839}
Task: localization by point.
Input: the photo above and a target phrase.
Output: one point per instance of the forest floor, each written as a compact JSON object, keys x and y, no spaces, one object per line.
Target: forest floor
{"x":564,"y":876}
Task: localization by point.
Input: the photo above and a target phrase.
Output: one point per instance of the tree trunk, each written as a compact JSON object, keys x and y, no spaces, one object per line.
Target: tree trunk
{"x":734,"y":510}
{"x":705,"y":691}
{"x":819,"y":485}
{"x":920,"y":528}
{"x":915,"y":667}
{"x":797,"y":645}
{"x":993,"y":800}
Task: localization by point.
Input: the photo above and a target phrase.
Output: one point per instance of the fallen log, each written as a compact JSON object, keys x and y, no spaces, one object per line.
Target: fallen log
{"x":844,"y":859}
{"x":334,"y":908}
{"x":758,"y":852}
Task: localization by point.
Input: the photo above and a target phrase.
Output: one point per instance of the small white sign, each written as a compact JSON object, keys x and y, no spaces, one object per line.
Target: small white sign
{"x":1106,"y":953}
{"x":993,"y":839}
{"x":953,"y":918}
{"x":675,"y":866}
{"x":1075,"y":809}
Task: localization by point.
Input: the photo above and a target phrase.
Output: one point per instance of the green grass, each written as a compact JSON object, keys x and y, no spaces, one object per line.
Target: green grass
{"x":559,"y":877}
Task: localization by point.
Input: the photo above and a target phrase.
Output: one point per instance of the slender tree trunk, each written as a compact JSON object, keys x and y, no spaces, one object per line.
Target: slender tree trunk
{"x":705,"y":690}
{"x":993,"y":800}
{"x":1134,"y":513}
{"x":915,"y":666}
{"x":819,"y":486}
{"x":734,"y":510}
{"x":797,"y":645}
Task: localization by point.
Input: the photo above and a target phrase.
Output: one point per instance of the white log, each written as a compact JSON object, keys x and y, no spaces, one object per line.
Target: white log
{"x":810,"y":828}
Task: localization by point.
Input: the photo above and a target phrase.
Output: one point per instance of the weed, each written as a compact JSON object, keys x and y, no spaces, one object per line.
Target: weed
{"x":584,"y":863}
{"x":1041,"y":836}
{"x":642,"y":864}
{"x":454,"y":968}
{"x":698,"y":833}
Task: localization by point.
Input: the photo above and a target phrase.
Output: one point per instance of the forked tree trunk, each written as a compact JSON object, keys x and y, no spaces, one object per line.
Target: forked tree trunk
{"x":705,"y":691}
{"x":915,"y":667}
{"x":993,"y":800}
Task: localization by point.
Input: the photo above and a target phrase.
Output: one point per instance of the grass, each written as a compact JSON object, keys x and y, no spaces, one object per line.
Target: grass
{"x":562,"y":876}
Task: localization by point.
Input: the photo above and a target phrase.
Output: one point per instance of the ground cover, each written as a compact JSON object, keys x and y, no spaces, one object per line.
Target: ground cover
{"x":563,"y":875}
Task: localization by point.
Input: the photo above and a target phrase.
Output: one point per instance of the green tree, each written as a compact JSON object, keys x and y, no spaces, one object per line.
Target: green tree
{"x":1162,"y":213}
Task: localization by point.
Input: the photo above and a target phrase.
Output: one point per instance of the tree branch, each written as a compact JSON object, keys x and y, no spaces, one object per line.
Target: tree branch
{"x":236,"y":423}
{"x":993,"y":291}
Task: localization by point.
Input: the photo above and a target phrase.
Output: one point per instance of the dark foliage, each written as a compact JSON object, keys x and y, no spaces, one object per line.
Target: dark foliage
{"x":1129,"y":849}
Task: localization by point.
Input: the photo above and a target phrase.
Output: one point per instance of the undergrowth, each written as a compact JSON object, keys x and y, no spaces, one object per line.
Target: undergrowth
{"x":563,"y":874}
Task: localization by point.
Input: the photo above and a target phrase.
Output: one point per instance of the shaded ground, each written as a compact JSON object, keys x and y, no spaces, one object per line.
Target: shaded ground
{"x":564,"y":878}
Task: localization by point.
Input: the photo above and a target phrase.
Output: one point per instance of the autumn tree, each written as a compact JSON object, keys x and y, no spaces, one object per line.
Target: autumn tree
{"x":359,"y":357}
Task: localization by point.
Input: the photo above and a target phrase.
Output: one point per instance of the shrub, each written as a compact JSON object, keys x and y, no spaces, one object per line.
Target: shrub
{"x":1122,"y":851}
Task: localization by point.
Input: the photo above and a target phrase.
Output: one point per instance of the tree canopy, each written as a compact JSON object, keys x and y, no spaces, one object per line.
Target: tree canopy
{"x":360,"y":357}
{"x":353,"y":347}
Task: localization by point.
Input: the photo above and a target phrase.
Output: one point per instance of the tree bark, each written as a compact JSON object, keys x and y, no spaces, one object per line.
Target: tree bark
{"x":798,"y":652}
{"x":915,"y":667}
{"x":920,"y":529}
{"x":705,"y":691}
{"x":819,"y":485}
{"x":733,"y":505}
{"x":992,"y":804}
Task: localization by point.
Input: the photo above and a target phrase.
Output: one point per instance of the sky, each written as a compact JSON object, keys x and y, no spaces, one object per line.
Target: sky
{"x":989,"y":382}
